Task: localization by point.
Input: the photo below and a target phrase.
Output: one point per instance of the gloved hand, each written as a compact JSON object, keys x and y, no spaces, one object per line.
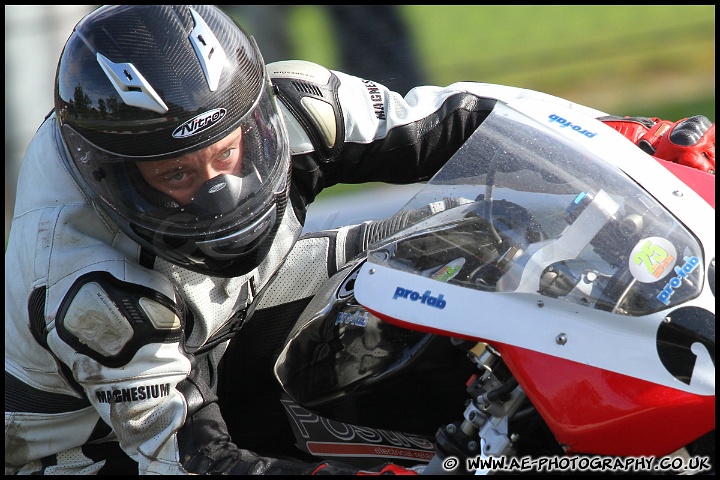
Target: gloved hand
{"x":689,"y":142}
{"x":340,"y":469}
{"x":205,"y":446}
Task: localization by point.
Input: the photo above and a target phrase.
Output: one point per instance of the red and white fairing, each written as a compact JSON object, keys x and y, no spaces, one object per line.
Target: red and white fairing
{"x":585,"y":262}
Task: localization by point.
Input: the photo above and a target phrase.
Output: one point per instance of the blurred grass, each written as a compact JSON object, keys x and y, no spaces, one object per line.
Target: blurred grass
{"x":644,"y":60}
{"x":625,"y":60}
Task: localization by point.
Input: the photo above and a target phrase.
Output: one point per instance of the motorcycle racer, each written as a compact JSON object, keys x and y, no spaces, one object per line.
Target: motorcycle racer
{"x":159,"y":212}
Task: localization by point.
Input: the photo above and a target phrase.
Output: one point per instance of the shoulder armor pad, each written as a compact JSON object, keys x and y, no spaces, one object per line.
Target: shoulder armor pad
{"x":109,"y":320}
{"x":310,"y":92}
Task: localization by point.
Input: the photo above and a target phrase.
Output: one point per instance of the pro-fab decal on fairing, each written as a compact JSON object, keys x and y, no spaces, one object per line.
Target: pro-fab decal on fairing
{"x":425,"y":298}
{"x":565,"y":123}
{"x":601,"y":340}
{"x":691,"y":263}
{"x":359,"y":318}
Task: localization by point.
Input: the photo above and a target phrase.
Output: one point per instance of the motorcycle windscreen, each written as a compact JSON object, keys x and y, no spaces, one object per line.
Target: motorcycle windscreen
{"x":539,"y":214}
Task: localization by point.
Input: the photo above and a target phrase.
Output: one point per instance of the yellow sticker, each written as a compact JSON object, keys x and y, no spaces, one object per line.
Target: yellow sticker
{"x":652,"y":259}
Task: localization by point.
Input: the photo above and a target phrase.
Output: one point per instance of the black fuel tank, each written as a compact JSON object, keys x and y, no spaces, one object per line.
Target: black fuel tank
{"x":344,"y":363}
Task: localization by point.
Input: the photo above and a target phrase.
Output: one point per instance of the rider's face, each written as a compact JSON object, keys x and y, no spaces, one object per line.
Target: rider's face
{"x":181,"y":177}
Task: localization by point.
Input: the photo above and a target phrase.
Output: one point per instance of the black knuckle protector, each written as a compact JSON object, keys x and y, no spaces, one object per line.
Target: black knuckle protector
{"x":690,"y":131}
{"x":315,"y":106}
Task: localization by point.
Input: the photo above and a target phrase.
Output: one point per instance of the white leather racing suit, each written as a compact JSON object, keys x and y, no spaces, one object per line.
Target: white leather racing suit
{"x":111,"y":354}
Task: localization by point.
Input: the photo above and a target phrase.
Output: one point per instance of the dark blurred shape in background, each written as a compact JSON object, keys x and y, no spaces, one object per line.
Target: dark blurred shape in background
{"x":373,"y":41}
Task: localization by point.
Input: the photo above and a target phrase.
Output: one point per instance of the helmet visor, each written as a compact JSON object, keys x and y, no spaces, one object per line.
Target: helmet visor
{"x":202,"y":194}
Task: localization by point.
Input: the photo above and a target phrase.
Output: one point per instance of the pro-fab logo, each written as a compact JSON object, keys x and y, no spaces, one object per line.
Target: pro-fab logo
{"x":691,"y":263}
{"x":358,"y":318}
{"x":199,"y":123}
{"x":425,"y":298}
{"x":564,"y":123}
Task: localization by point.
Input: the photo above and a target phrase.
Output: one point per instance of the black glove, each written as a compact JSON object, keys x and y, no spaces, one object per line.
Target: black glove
{"x":206,"y":448}
{"x":205,"y":445}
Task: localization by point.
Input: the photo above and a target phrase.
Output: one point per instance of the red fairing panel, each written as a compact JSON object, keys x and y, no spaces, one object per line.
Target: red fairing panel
{"x":703,"y":183}
{"x":595,"y":411}
{"x":598,"y":412}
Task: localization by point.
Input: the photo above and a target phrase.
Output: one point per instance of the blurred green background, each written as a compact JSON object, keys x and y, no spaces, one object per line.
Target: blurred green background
{"x":620,"y":59}
{"x":645,"y":60}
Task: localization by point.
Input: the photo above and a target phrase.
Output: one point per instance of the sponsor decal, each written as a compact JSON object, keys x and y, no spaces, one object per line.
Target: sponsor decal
{"x":686,"y":344}
{"x":376,"y":99}
{"x":358,"y":318}
{"x":449,"y":271}
{"x":323,"y":437}
{"x":568,"y":124}
{"x":133,"y":394}
{"x":347,"y":287}
{"x":425,"y":298}
{"x":674,"y":283}
{"x":199,"y":123}
{"x":652,"y":259}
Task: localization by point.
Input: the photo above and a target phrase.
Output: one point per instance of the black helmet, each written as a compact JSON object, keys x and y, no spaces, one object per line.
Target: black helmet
{"x":159,"y":83}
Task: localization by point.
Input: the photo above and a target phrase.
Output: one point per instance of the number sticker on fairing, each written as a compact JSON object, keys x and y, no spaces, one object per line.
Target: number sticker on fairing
{"x":652,"y":259}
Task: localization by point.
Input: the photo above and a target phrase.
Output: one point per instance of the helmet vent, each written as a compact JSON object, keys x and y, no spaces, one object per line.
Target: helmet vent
{"x":131,"y":85}
{"x":210,"y":53}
